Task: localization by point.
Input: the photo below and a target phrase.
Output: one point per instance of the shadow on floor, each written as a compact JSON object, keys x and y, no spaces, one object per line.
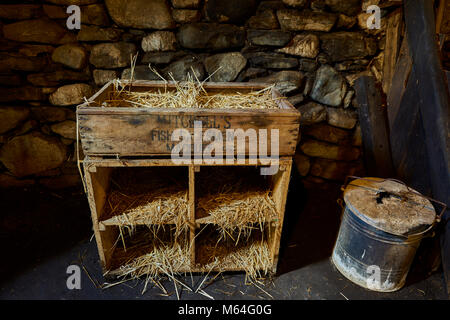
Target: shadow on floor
{"x":311,"y":224}
{"x":37,"y":224}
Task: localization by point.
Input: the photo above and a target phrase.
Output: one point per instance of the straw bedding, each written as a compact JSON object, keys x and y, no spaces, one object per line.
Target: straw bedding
{"x":148,"y":196}
{"x":239,"y":207}
{"x":155,"y":254}
{"x":250,"y":254}
{"x":190,"y":94}
{"x":151,"y":253}
{"x":237,"y":201}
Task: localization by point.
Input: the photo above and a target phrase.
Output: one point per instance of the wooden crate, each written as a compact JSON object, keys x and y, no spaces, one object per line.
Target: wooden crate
{"x":143,"y":131}
{"x":98,"y":173}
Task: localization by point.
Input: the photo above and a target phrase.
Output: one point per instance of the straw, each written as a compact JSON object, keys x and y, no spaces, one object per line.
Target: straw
{"x":147,"y":197}
{"x":152,"y":254}
{"x":188,"y":94}
{"x":161,"y":254}
{"x":251,"y":255}
{"x":240,"y":203}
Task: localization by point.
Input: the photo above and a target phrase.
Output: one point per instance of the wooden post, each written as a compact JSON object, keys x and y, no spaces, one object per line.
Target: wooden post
{"x":374,"y":128}
{"x":433,"y":101}
{"x":392,"y":47}
{"x":399,"y":81}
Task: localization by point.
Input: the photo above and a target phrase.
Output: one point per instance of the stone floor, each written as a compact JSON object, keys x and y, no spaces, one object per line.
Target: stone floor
{"x":43,"y":232}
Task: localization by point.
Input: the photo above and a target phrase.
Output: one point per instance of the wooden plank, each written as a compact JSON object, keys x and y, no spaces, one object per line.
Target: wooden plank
{"x":147,"y":131}
{"x":192,"y":224}
{"x":399,"y":81}
{"x":100,"y":185}
{"x":374,"y":128}
{"x":97,"y":183}
{"x":447,"y":75}
{"x":280,"y":190}
{"x":109,"y":238}
{"x":408,"y":145}
{"x":440,"y":15}
{"x":443,"y":17}
{"x":434,"y":106}
{"x":151,"y":134}
{"x":393,"y":37}
{"x":164,"y":162}
{"x":390,"y":3}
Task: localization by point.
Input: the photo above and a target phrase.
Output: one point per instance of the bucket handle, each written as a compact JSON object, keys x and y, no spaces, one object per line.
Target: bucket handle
{"x":443,"y":205}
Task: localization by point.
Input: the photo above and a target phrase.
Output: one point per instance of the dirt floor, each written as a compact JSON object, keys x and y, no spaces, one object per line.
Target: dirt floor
{"x":42,"y":232}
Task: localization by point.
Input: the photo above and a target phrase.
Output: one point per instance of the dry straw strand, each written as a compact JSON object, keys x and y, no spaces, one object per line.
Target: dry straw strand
{"x":188,"y":94}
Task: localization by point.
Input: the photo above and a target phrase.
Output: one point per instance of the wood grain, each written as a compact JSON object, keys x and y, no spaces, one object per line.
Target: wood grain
{"x":374,"y":128}
{"x":393,"y":40}
{"x":148,"y":131}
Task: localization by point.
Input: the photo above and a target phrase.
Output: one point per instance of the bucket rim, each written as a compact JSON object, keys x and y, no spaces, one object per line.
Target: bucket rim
{"x":409,"y":235}
{"x":379,"y":217}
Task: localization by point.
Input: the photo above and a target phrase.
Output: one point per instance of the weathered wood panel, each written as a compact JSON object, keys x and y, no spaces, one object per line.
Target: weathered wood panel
{"x":400,"y":78}
{"x":407,"y":138}
{"x":148,"y":131}
{"x":392,"y":47}
{"x":432,"y":92}
{"x":150,"y":134}
{"x":433,"y":101}
{"x":374,"y":128}
{"x":443,"y":17}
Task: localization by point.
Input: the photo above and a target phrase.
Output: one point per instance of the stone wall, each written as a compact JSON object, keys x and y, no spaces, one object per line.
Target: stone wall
{"x":312,"y":49}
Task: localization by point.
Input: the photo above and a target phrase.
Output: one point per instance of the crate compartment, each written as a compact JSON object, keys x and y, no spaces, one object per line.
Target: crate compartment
{"x":148,"y":195}
{"x":250,"y":253}
{"x":149,"y":250}
{"x":233,"y":197}
{"x":108,"y":128}
{"x":111,"y":219}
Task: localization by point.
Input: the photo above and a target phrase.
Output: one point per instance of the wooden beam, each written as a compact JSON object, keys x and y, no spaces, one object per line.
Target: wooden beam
{"x":433,"y":101}
{"x":374,"y":128}
{"x":393,"y":40}
{"x":407,"y":139}
{"x":399,"y":82}
{"x":443,"y":17}
{"x":390,"y":3}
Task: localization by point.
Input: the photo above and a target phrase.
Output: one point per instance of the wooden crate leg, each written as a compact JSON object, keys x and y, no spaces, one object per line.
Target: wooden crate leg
{"x":98,"y":179}
{"x":281,"y":186}
{"x":192,"y":215}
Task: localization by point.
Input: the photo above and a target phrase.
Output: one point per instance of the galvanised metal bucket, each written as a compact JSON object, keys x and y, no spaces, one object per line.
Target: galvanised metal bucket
{"x":370,"y":250}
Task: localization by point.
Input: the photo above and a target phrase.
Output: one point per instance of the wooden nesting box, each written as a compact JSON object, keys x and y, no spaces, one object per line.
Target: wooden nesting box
{"x":131,"y":145}
{"x":138,"y":131}
{"x":100,"y":182}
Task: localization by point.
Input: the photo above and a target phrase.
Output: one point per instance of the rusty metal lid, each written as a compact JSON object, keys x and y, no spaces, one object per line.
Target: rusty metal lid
{"x":389,"y":206}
